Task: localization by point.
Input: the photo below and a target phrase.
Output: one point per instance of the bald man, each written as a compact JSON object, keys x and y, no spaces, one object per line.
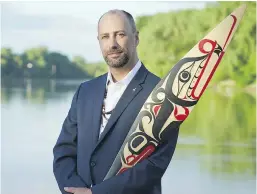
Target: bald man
{"x":101,"y":114}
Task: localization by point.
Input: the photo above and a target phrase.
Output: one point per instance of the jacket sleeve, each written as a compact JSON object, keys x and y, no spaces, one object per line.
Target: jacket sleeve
{"x":65,"y":151}
{"x":140,"y":178}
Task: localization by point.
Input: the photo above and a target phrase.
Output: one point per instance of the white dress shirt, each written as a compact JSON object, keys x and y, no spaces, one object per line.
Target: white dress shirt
{"x":114,"y":92}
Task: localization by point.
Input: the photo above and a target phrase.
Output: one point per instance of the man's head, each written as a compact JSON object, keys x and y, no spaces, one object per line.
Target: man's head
{"x":118,"y":38}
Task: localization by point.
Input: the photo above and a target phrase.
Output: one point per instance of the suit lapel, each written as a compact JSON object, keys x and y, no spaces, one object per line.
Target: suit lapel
{"x":129,"y":94}
{"x":97,"y":99}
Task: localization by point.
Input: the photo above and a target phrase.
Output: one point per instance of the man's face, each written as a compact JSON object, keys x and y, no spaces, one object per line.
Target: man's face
{"x":117,"y":40}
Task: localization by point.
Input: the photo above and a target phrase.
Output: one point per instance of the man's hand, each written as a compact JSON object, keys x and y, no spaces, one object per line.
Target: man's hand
{"x":78,"y":190}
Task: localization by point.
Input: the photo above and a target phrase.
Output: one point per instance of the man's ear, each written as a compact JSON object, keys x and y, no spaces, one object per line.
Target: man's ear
{"x":137,"y":38}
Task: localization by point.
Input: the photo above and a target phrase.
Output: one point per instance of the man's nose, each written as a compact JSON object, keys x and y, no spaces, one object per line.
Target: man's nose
{"x":113,"y":43}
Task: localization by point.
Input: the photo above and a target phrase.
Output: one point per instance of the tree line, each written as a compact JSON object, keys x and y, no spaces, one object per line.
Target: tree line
{"x":167,"y":37}
{"x":164,"y":39}
{"x":42,"y":63}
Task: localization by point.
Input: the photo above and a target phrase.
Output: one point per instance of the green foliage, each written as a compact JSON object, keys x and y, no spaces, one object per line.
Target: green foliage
{"x":41,"y":63}
{"x":94,"y":69}
{"x":10,"y":63}
{"x":226,"y":125}
{"x":36,"y":56}
{"x":166,"y":37}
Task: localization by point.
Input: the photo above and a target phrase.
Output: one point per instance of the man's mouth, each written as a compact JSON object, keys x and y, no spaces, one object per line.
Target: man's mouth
{"x":117,"y":54}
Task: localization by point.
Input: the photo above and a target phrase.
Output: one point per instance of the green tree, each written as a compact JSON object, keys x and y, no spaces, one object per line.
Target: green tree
{"x":10,"y":63}
{"x":166,"y":37}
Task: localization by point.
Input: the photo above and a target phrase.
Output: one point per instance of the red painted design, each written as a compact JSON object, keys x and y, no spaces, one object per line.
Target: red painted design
{"x":135,"y":159}
{"x":156,"y":109}
{"x":122,"y":170}
{"x":201,"y":48}
{"x":232,"y":27}
{"x":203,"y":42}
{"x":211,"y":74}
{"x":181,"y":117}
{"x":217,"y":63}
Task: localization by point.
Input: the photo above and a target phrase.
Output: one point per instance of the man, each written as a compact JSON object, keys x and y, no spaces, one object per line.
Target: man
{"x":101,"y":114}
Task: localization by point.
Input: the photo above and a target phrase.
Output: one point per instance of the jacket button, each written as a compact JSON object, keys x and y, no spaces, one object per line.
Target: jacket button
{"x":92,"y":164}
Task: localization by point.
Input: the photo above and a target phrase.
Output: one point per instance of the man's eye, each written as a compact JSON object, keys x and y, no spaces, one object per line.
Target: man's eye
{"x":104,"y":37}
{"x":121,"y":35}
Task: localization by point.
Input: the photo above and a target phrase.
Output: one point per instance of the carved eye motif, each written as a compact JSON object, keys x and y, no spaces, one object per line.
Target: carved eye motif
{"x":184,"y":76}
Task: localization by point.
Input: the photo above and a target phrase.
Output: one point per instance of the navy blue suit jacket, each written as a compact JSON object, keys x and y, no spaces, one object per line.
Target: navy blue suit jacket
{"x":82,"y":160}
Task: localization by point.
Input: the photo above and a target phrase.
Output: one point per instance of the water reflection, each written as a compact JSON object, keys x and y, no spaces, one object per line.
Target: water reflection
{"x":217,"y":142}
{"x":225,"y":128}
{"x":36,"y":91}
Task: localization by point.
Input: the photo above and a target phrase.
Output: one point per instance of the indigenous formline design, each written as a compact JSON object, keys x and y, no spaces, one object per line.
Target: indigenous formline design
{"x":174,"y":97}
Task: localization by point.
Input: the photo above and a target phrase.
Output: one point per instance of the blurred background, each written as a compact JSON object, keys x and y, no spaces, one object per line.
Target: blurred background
{"x":49,"y":48}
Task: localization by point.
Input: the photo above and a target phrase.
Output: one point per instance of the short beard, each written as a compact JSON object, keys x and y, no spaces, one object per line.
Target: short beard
{"x":119,"y":62}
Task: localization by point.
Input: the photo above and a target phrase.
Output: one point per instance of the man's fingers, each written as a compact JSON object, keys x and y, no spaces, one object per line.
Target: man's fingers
{"x":76,"y":189}
{"x":70,"y":189}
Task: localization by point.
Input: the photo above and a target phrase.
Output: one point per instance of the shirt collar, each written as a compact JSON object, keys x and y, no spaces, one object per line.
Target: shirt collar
{"x":126,"y":80}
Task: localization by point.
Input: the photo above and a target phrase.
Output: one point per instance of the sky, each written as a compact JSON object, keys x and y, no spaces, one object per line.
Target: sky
{"x":68,"y":27}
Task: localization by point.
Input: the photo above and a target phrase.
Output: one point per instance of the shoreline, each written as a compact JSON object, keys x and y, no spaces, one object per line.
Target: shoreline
{"x":226,"y":87}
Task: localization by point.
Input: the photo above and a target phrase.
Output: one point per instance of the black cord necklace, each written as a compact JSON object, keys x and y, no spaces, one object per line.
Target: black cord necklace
{"x":104,"y":113}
